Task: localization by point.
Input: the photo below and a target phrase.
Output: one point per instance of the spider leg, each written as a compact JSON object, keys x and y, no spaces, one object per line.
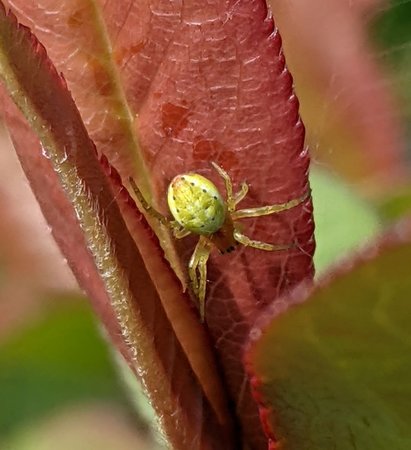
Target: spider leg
{"x":197,"y":271}
{"x":232,"y":199}
{"x":271,"y":209}
{"x":246,"y":241}
{"x":178,"y":231}
{"x":227,"y":182}
{"x":240,"y":194}
{"x":146,"y":206}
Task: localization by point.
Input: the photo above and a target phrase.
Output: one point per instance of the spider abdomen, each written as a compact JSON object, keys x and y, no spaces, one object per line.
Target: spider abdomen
{"x":196,"y":204}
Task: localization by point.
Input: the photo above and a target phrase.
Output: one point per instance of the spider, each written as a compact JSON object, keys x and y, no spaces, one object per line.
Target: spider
{"x":197,"y":207}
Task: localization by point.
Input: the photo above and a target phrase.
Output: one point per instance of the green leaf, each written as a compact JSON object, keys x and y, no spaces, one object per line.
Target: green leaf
{"x":59,"y":360}
{"x":343,"y":221}
{"x":334,"y":370}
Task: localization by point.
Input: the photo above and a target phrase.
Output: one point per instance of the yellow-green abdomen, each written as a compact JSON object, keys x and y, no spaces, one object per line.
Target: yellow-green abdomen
{"x":196,"y":204}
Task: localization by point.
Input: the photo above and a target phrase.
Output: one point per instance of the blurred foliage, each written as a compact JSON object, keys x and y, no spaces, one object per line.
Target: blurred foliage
{"x":343,"y":221}
{"x":392,"y":33}
{"x":395,"y":205}
{"x":86,"y":426}
{"x":343,"y":380}
{"x":392,"y":29}
{"x":59,"y":360}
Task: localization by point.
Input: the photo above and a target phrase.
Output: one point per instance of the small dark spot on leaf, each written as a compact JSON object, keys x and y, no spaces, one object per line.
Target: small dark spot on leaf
{"x":174,"y":118}
{"x":77,"y":19}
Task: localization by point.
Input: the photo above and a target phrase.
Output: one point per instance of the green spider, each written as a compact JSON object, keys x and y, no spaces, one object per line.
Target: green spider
{"x":198,"y":207}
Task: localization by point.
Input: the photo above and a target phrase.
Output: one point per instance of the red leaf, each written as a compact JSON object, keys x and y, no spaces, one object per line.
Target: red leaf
{"x":208,"y":82}
{"x":216,"y":89}
{"x":79,"y":205}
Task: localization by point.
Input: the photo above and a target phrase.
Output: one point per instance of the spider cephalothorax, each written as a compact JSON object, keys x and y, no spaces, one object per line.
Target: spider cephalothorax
{"x":197,"y":207}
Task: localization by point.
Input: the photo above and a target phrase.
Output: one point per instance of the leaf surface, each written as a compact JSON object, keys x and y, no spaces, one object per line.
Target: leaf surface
{"x":331,"y":367}
{"x":78,"y":202}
